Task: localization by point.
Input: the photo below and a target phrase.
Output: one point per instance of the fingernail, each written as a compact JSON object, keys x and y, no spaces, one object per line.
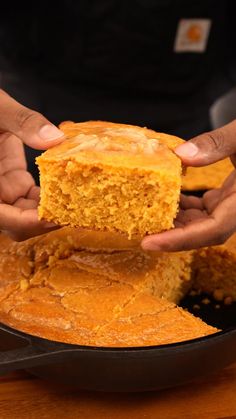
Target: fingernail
{"x":187,"y":150}
{"x":50,"y":225}
{"x":50,"y":133}
{"x":149,"y":245}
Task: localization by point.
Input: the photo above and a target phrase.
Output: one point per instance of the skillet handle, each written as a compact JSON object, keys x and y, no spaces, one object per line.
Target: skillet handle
{"x":20,"y":358}
{"x":27,"y":356}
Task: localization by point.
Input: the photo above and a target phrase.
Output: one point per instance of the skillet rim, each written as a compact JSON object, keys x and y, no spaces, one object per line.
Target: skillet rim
{"x":32,"y":340}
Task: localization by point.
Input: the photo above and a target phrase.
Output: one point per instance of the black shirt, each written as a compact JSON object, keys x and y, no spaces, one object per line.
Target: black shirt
{"x":115,"y":60}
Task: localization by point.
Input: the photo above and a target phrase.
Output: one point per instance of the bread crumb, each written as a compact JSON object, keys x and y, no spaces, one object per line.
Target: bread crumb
{"x":196,"y":307}
{"x":206,"y":301}
{"x":193,"y":293}
{"x":218,"y":294}
{"x":228,"y":301}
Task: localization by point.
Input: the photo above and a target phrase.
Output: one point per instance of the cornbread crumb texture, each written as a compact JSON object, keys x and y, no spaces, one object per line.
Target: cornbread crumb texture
{"x":207,"y":177}
{"x":215,"y":270}
{"x":111,"y":177}
{"x":71,"y":291}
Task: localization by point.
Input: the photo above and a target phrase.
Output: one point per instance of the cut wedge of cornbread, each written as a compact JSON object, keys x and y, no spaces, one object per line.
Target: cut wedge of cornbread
{"x":214,"y":270}
{"x":112,"y":177}
{"x":207,"y":177}
{"x":78,"y":294}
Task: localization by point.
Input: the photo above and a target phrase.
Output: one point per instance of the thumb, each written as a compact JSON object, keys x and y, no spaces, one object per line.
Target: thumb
{"x":209,"y":147}
{"x":30,"y":126}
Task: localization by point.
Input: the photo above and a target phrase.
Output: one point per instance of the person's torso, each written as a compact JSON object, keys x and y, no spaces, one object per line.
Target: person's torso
{"x":125,"y":48}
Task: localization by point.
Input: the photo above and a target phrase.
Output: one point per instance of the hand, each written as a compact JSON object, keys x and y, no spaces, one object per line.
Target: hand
{"x":209,"y":220}
{"x":19,"y":196}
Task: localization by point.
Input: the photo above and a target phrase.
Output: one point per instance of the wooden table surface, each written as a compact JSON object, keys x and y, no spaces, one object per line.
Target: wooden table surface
{"x":23,"y":396}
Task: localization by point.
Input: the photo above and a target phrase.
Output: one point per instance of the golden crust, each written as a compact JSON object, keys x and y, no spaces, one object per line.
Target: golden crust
{"x":71,"y":129}
{"x":124,"y":136}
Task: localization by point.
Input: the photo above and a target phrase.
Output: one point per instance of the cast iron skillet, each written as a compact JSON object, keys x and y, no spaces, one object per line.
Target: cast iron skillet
{"x":129,"y":369}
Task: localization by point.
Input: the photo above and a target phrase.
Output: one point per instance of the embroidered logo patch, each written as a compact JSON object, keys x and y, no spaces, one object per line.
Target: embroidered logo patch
{"x":192,"y":35}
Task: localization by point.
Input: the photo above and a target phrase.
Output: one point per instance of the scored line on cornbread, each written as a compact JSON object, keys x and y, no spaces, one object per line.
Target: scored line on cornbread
{"x":113,"y":177}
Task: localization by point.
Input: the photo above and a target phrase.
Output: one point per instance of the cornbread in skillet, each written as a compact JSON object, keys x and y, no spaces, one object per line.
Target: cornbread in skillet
{"x":207,"y":177}
{"x":215,"y":270}
{"x":112,"y":177}
{"x":71,"y":291}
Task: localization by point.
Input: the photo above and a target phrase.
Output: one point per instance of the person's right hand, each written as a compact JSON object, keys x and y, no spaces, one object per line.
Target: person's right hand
{"x":209,"y":220}
{"x":19,"y":196}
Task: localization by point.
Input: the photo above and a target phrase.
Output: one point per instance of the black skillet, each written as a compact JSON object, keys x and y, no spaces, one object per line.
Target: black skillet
{"x":129,"y":369}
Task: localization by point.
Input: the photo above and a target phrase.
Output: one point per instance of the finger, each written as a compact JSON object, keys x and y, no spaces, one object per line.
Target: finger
{"x":215,"y":229}
{"x":209,"y":147}
{"x":12,"y":153}
{"x":187,"y":202}
{"x":190,"y":215}
{"x":21,"y":224}
{"x":30,"y":126}
{"x":233,"y":160}
{"x":13,"y":184}
{"x":229,"y":182}
{"x":211,"y":199}
{"x":182,"y":238}
{"x":34,"y":193}
{"x":26,"y":203}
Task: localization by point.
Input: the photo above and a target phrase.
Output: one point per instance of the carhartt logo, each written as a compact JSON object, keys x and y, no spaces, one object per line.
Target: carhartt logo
{"x":192,"y":35}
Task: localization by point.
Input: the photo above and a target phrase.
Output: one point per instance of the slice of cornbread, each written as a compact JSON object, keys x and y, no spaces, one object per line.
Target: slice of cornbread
{"x":111,"y":177}
{"x":85,"y":299}
{"x":214,"y":270}
{"x":207,"y":177}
